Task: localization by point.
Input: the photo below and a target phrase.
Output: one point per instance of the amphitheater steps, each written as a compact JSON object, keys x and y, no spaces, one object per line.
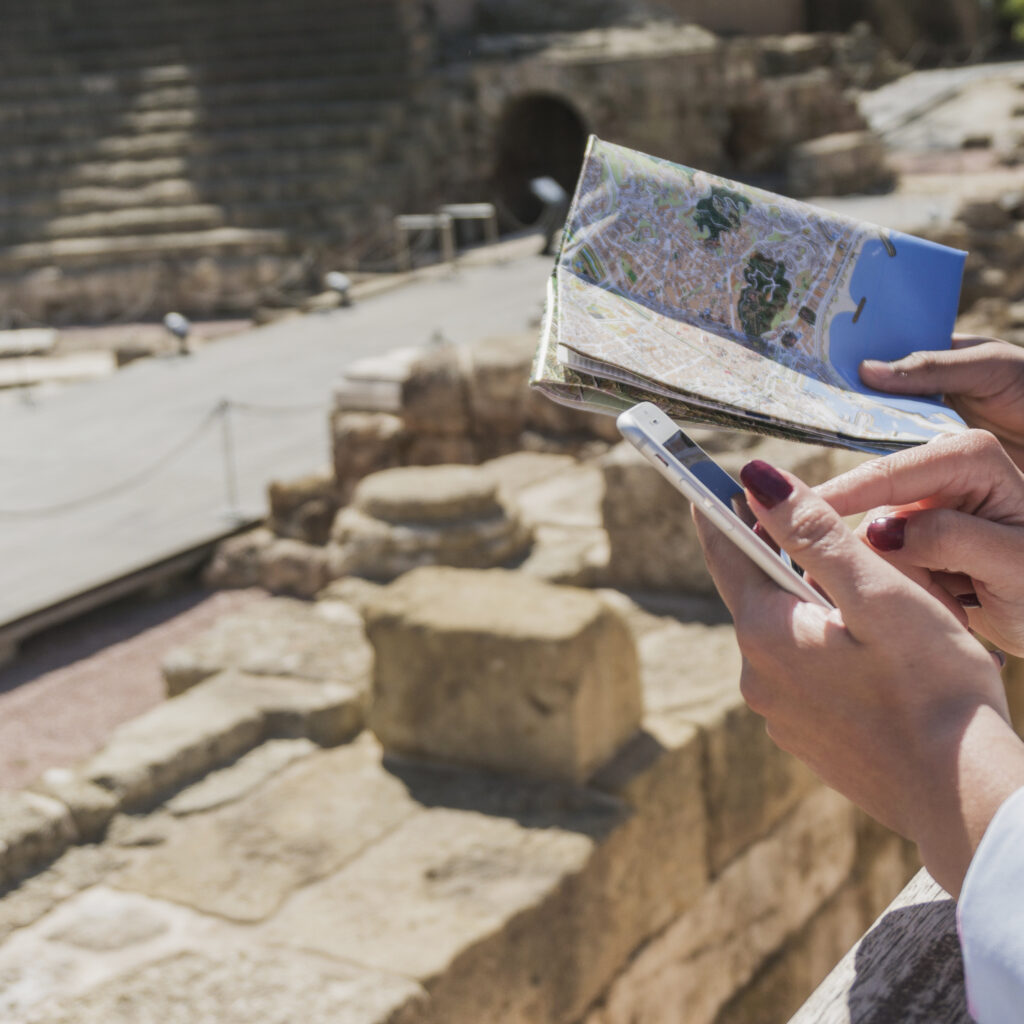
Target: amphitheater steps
{"x":139,"y":132}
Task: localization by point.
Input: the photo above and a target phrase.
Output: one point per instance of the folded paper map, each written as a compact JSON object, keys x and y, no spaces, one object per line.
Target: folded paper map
{"x":728,"y":305}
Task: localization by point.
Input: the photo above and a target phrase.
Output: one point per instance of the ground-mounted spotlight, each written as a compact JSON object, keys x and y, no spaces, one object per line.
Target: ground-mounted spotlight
{"x":341,"y":283}
{"x":179,"y":326}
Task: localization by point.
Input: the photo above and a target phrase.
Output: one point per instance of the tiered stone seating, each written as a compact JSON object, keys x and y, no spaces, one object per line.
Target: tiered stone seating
{"x":181,"y":129}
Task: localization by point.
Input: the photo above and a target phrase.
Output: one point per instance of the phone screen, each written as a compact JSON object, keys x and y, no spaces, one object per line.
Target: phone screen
{"x":711,"y":475}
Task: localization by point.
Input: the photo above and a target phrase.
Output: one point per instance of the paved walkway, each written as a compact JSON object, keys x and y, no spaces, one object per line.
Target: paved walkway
{"x":76,"y":443}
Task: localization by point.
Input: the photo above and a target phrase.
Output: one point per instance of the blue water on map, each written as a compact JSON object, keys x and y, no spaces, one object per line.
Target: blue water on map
{"x":910,"y":304}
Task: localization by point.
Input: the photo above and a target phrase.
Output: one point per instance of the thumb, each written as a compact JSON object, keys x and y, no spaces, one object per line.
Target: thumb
{"x":812,"y":532}
{"x":975,"y":371}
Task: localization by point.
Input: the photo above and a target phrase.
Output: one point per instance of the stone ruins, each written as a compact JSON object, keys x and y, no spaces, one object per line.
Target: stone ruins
{"x":192,"y":160}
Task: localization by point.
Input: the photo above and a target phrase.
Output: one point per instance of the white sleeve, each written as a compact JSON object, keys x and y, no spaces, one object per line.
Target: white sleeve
{"x":990,"y":919}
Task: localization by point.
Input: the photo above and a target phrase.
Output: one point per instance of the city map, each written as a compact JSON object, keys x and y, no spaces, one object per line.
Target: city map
{"x":729,"y":305}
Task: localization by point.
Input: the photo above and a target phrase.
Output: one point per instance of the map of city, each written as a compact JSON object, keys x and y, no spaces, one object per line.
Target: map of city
{"x":727,"y":304}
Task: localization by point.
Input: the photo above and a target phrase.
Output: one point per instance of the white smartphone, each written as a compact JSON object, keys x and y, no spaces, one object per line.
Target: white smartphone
{"x":691,"y":470}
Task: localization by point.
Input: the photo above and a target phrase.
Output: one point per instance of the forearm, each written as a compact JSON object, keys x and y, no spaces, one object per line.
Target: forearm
{"x":976,"y":763}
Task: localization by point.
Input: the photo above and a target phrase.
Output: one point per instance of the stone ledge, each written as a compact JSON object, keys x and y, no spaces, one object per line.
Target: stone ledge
{"x":213,"y":724}
{"x":33,"y":830}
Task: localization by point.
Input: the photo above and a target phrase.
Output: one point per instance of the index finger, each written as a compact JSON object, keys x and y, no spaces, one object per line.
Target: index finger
{"x":813,"y":533}
{"x":968,"y":471}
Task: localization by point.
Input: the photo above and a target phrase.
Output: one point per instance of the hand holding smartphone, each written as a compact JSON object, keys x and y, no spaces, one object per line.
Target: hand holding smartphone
{"x":693,"y":472}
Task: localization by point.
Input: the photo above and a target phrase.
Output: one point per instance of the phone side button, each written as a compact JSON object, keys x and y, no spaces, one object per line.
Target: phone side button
{"x":664,"y":462}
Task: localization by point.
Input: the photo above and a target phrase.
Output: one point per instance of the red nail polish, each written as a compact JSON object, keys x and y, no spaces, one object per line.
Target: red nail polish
{"x":887,"y":533}
{"x":766,"y":483}
{"x":968,"y":600}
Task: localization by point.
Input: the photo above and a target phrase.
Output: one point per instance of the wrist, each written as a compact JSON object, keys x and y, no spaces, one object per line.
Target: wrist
{"x":976,"y":761}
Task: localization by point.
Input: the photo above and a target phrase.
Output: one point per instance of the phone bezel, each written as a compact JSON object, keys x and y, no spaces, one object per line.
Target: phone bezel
{"x":648,"y":429}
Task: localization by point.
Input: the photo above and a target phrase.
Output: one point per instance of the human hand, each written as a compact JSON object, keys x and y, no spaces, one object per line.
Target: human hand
{"x":953,"y":521}
{"x":982,"y":380}
{"x":887,"y":697}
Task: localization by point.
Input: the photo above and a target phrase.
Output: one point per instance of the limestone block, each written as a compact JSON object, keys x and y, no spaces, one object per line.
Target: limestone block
{"x":437,"y":449}
{"x":653,"y":542}
{"x":486,"y":897}
{"x":34,"y":829}
{"x":303,"y":825}
{"x":498,"y":382}
{"x":174,"y":743}
{"x":238,"y":986}
{"x":236,"y":562}
{"x":656,"y":861}
{"x":517,"y":471}
{"x":277,"y":637}
{"x":763,"y":897}
{"x":90,"y":805}
{"x":501,"y":671}
{"x":414,"y":516}
{"x":375,"y":384}
{"x":574,"y":556}
{"x":303,"y":509}
{"x":985,"y":215}
{"x":836,"y":164}
{"x":435,"y":398}
{"x":364,"y":442}
{"x":428,"y":495}
{"x":231,"y":784}
{"x":293,"y":567}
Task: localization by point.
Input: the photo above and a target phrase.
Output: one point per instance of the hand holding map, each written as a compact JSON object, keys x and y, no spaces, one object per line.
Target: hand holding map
{"x":728,"y":305}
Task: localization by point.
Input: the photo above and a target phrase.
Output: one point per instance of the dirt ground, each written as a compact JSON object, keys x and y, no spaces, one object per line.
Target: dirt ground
{"x":71,"y":686}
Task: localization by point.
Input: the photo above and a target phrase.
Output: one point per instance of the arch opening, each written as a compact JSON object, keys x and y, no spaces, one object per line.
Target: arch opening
{"x":538,"y":136}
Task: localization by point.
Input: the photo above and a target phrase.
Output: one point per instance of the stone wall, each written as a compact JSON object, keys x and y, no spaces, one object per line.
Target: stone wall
{"x":248,"y":857}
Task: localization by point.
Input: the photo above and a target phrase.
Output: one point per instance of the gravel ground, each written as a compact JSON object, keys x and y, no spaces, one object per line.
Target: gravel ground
{"x":70,"y":687}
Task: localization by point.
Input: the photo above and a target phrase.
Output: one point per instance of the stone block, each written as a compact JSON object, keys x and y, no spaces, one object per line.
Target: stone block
{"x":498,"y":382}
{"x":435,"y":398}
{"x":691,"y":674}
{"x":438,"y":449}
{"x":428,"y":495}
{"x":34,"y":829}
{"x":303,"y":509}
{"x":231,"y":784}
{"x":837,"y":164}
{"x":656,"y":861}
{"x":90,"y":805}
{"x":748,"y":914}
{"x":653,"y":542}
{"x":415,"y":516}
{"x":294,"y":567}
{"x":238,"y":986}
{"x":486,"y":897}
{"x":277,"y":637}
{"x":236,"y":562}
{"x":363,"y":443}
{"x":375,"y":384}
{"x":303,"y":825}
{"x":985,"y":215}
{"x":500,"y":671}
{"x":175,"y":743}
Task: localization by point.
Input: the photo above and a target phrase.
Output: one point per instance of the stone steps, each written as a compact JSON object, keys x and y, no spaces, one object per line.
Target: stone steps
{"x":310,"y":186}
{"x":72,"y":252}
{"x":187,"y":144}
{"x":200,"y":123}
{"x":137,"y":135}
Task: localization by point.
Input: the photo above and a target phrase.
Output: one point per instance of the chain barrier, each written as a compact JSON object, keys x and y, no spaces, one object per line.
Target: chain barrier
{"x":220,"y":412}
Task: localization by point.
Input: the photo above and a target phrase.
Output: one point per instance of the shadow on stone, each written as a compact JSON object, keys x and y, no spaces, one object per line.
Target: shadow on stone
{"x":531,"y":804}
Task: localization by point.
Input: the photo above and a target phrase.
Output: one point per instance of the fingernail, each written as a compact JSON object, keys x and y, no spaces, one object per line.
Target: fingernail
{"x":968,"y":600}
{"x":876,"y":366}
{"x":887,"y":533}
{"x":766,"y":483}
